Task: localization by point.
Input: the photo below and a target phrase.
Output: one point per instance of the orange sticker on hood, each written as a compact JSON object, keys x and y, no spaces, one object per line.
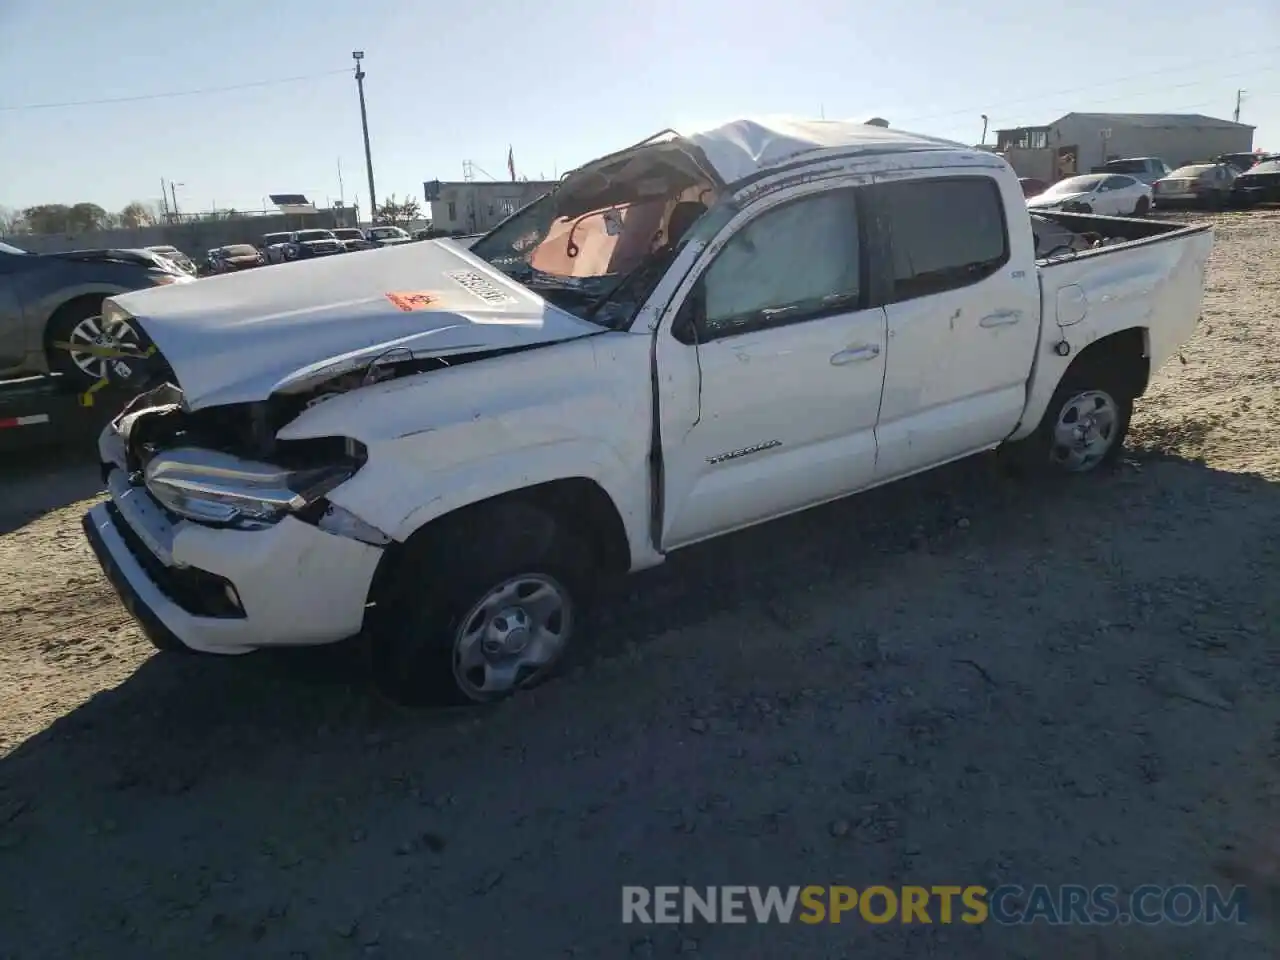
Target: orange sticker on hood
{"x":415,"y":300}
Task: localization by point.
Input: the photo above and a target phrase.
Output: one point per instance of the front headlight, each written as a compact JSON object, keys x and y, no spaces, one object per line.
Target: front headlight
{"x":225,"y":490}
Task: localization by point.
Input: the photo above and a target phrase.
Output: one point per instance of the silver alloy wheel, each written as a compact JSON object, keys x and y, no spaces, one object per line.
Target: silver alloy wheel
{"x":92,"y":332}
{"x":1084,"y":431}
{"x":512,"y":636}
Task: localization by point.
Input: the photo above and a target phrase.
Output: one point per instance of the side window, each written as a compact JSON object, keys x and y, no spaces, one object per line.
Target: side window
{"x":798,"y":261}
{"x":1117,"y":183}
{"x":945,"y":234}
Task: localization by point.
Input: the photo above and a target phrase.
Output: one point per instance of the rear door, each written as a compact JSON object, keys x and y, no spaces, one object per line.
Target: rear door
{"x":963,"y":316}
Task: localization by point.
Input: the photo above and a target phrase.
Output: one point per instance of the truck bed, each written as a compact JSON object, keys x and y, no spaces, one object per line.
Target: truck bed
{"x":1142,"y":275}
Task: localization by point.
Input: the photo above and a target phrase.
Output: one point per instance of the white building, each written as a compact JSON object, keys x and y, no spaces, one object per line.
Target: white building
{"x":475,"y":206}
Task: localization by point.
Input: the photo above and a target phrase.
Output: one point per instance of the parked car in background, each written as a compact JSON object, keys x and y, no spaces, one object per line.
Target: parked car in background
{"x":420,"y":469}
{"x":1146,"y":169}
{"x":1115,"y":195}
{"x":1240,"y":162}
{"x":305,"y":244}
{"x":351,"y":238}
{"x":1031,"y":187}
{"x":235,"y":256}
{"x":51,"y":303}
{"x":387,"y":236}
{"x":1195,"y":185}
{"x":273,"y":246}
{"x":174,"y":255}
{"x":1259,"y":184}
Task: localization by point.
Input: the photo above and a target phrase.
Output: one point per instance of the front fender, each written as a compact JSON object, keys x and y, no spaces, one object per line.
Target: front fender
{"x":401,"y":501}
{"x":449,"y":438}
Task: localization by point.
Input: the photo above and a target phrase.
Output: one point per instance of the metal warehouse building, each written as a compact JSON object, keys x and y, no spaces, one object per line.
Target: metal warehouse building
{"x":1078,"y":142}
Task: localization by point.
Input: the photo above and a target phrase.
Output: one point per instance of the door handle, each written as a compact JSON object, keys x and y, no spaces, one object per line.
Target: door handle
{"x":854,"y":354}
{"x":1000,"y":318}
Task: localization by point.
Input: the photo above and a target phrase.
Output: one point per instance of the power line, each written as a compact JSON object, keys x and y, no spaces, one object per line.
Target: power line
{"x":1093,"y":86}
{"x":1168,"y":88}
{"x":171,"y":94}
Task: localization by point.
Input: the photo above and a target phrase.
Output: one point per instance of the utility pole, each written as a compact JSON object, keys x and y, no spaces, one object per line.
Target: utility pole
{"x":173,"y":189}
{"x":357,"y":56}
{"x":1239,"y":96}
{"x":342,"y":197}
{"x":983,"y":141}
{"x":164,"y":200}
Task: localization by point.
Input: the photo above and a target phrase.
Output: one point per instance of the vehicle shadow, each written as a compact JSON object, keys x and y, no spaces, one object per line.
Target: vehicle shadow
{"x":40,"y":479}
{"x":237,"y":748}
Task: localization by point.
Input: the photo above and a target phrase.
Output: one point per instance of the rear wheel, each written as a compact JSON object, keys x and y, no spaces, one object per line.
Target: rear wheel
{"x":480,"y":608}
{"x":1083,"y":429}
{"x":74,"y":330}
{"x":1141,"y":207}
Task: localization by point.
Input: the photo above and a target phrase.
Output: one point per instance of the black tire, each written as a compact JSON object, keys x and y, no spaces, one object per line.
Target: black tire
{"x":1141,"y":207}
{"x":447,"y":572}
{"x":1041,"y":455}
{"x":60,"y":329}
{"x":64,"y":320}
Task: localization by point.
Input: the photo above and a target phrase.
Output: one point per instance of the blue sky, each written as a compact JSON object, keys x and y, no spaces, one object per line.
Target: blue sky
{"x":561,"y":82}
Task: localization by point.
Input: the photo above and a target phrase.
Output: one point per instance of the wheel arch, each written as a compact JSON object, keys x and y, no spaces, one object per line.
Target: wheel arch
{"x":65,"y":299}
{"x":1122,"y":357}
{"x":580,"y":503}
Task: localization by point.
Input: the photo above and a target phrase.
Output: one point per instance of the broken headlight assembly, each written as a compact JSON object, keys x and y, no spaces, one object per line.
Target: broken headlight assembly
{"x":221,"y":489}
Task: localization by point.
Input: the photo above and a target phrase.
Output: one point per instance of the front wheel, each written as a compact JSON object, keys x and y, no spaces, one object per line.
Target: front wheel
{"x":1083,"y":429}
{"x":480,"y":609}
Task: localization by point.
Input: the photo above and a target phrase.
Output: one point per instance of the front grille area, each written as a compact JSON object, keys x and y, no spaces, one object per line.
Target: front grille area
{"x":198,"y":592}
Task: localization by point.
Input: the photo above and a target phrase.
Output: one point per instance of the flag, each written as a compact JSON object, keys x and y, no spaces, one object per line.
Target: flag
{"x":511,"y":163}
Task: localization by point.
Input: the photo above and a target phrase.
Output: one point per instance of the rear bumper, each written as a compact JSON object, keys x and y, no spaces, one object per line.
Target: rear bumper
{"x":1185,"y":199}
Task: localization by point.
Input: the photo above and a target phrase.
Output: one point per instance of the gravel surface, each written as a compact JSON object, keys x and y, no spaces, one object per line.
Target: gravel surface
{"x":959,"y":679}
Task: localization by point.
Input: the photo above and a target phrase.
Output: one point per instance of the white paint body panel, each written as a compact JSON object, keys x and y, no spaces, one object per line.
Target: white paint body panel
{"x":1154,"y":285}
{"x":958,"y":361}
{"x":442,"y":440}
{"x":242,"y":336}
{"x":299,"y":586}
{"x":942,"y":385}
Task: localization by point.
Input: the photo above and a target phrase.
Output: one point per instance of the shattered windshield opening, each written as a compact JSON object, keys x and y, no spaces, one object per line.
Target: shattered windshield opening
{"x":605,"y":234}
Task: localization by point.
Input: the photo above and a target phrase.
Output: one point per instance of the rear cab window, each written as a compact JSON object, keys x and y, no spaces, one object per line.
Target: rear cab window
{"x":944,"y":233}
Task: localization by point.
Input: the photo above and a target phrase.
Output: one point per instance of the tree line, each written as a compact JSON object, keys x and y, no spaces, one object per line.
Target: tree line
{"x":55,"y":218}
{"x":87,"y":217}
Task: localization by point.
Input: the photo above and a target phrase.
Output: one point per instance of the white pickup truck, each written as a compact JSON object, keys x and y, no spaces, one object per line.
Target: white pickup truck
{"x":443,"y":448}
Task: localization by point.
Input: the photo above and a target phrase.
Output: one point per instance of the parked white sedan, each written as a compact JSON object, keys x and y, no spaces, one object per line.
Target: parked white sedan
{"x":1115,"y":195}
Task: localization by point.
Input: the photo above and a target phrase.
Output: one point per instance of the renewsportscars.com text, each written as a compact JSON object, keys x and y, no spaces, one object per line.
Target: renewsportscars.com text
{"x":1066,"y":904}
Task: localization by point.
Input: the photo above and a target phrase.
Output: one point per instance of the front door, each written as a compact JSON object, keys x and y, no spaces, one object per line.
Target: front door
{"x":963,"y":316}
{"x":769,"y":382}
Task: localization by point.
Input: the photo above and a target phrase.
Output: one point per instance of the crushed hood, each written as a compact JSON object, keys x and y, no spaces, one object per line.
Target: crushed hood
{"x":240,"y":337}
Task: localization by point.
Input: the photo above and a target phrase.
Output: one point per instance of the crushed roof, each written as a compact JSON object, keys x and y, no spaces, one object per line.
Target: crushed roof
{"x":742,"y":148}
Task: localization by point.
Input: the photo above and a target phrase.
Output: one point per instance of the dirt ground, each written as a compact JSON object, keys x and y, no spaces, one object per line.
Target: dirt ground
{"x":959,"y":679}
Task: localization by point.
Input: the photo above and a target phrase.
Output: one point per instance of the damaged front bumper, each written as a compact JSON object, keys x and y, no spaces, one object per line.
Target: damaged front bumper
{"x":225,"y":590}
